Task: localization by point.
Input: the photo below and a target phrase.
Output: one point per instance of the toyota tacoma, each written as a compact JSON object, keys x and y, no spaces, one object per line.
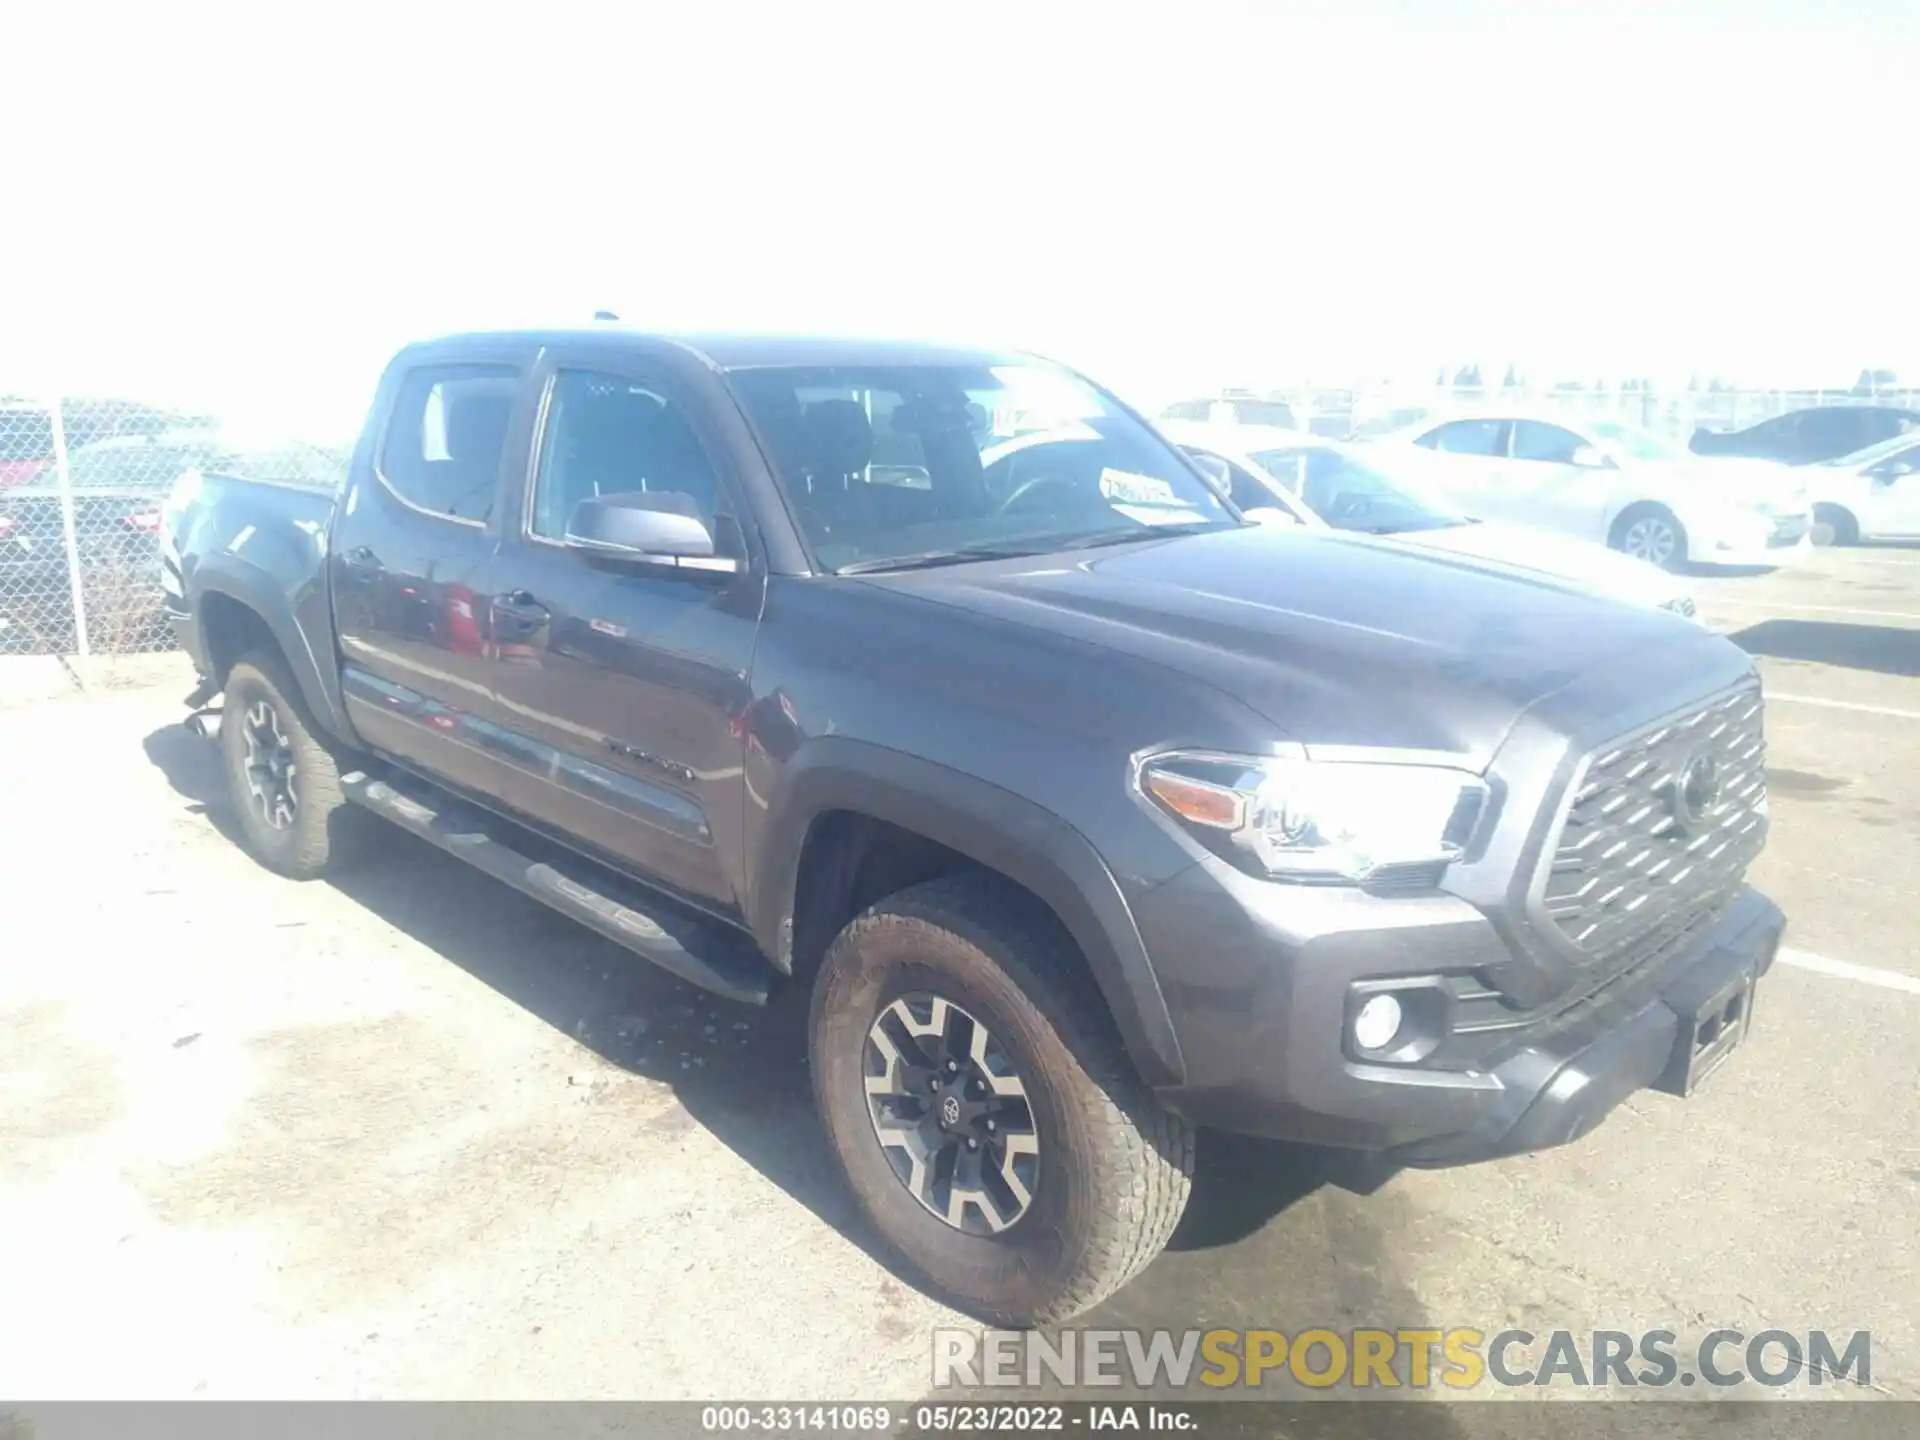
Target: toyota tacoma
{"x":1091,"y":811}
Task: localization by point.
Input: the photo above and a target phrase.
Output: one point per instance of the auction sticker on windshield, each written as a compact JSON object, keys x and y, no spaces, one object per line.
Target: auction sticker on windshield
{"x":1144,"y":498}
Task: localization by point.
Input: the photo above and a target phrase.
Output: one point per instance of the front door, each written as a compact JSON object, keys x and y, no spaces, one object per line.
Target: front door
{"x":1893,"y":496}
{"x":623,"y":687}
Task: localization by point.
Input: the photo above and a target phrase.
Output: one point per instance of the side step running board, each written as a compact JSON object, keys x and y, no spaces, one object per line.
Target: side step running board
{"x":695,"y":949}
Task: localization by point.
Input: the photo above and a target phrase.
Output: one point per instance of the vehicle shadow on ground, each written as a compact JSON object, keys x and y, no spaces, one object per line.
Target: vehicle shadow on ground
{"x":1882,"y":649}
{"x":1324,"y":1258}
{"x":739,"y":1071}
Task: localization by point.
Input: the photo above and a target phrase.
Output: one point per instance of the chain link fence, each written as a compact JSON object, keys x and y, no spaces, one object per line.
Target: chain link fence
{"x":83,"y":484}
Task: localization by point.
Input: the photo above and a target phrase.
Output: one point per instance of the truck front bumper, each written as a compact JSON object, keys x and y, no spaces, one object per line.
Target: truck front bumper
{"x":1265,"y":1022}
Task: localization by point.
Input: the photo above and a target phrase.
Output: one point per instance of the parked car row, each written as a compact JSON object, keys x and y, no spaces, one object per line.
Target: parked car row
{"x":1756,"y":498}
{"x":1324,"y":483}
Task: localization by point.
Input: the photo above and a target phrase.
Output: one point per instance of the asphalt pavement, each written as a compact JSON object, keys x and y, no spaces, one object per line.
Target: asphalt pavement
{"x":408,"y":1134}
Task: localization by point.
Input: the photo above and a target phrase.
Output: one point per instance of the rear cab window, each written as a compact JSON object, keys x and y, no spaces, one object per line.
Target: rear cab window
{"x":444,"y":442}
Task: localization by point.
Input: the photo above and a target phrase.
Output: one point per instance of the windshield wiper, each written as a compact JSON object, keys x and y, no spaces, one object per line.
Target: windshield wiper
{"x":1143,"y":532}
{"x":1415,"y":527}
{"x":1025,"y":549}
{"x":930,"y":558}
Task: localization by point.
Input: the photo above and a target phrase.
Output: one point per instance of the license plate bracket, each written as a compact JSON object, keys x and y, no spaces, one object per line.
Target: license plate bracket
{"x":1710,"y":1034}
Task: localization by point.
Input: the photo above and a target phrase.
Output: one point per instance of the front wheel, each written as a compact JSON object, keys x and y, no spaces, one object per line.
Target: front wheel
{"x":1650,"y":533}
{"x":1834,"y":526}
{"x":979,"y":1102}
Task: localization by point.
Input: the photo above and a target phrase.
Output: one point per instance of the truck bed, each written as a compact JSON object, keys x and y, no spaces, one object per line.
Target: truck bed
{"x":262,"y":543}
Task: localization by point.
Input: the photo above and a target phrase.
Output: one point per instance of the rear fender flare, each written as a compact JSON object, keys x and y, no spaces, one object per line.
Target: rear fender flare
{"x":249,"y":585}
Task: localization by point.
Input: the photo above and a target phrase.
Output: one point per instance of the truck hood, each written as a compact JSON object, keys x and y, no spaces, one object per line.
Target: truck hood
{"x":1333,"y":639}
{"x":1545,"y":555}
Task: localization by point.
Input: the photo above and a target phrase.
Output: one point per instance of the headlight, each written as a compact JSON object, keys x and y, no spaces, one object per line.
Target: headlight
{"x":1290,"y":817}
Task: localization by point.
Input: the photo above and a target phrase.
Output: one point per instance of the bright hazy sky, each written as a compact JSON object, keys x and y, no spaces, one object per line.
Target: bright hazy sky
{"x":250,"y":206}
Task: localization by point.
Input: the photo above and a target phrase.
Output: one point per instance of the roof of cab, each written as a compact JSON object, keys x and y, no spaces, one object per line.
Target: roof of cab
{"x":725,"y":351}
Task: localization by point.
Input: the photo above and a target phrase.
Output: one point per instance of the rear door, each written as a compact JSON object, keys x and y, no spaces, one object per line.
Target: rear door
{"x":1467,"y":460}
{"x":624,"y":689}
{"x":412,"y":555}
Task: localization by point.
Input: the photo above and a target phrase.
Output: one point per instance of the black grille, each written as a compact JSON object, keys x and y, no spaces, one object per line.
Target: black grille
{"x":1633,"y":862}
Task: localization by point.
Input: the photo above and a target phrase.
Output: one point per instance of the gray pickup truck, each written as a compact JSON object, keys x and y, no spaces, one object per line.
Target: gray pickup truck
{"x":938,"y":681}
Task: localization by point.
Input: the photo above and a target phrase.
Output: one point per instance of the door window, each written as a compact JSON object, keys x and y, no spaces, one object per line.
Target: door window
{"x":606,"y":435}
{"x":442,"y":450}
{"x":1467,"y":437}
{"x":1826,"y":433}
{"x":1906,"y":462}
{"x":1536,"y":440}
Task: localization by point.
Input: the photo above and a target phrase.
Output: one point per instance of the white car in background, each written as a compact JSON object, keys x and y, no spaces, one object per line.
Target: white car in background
{"x":1872,"y":494}
{"x":1326,"y":484}
{"x":1602,"y":480}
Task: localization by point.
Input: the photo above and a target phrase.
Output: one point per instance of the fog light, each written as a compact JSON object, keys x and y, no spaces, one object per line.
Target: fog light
{"x":1376,"y":1023}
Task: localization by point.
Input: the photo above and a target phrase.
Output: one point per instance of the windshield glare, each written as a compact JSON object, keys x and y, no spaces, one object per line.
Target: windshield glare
{"x":1634,"y":444}
{"x":911,"y":462}
{"x":1351,"y":495}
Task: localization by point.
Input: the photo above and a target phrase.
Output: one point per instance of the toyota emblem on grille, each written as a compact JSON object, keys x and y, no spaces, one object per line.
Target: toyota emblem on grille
{"x":1696,"y":790}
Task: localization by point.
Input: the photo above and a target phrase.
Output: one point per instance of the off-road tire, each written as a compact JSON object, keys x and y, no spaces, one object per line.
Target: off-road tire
{"x":324,"y":827}
{"x":1115,"y":1165}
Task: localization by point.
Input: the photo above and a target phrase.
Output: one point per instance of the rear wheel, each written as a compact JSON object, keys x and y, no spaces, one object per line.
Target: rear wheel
{"x":1651,"y":533}
{"x":1833,"y":525}
{"x":981,"y":1106}
{"x":283,"y":779}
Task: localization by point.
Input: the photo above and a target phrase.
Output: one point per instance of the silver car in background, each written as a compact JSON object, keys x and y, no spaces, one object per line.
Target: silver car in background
{"x":1602,"y":480}
{"x":1322,"y":483}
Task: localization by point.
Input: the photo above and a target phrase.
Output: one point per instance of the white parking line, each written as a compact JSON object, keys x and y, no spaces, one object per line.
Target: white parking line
{"x":1812,"y":609}
{"x":1845,"y":970}
{"x":1853,"y":705}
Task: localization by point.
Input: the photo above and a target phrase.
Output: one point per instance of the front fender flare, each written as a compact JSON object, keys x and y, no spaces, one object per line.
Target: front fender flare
{"x":997,"y":829}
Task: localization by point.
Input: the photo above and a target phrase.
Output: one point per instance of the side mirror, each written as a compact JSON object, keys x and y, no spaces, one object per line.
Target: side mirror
{"x":1590,"y":457}
{"x":645,"y":528}
{"x":1270,"y":515}
{"x":1888,"y":471}
{"x":1215,"y":469}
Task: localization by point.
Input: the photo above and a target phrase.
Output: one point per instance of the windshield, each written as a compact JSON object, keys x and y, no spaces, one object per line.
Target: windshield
{"x":1635,"y":444}
{"x":906,"y":465}
{"x":1875,"y":453}
{"x":1351,"y":495}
